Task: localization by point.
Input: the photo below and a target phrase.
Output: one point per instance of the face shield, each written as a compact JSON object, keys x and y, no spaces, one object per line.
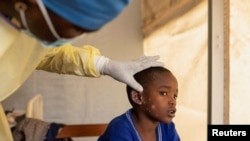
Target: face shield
{"x":21,"y":7}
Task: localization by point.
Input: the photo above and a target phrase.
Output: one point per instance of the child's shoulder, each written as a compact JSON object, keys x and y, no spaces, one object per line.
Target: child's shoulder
{"x":119,"y":120}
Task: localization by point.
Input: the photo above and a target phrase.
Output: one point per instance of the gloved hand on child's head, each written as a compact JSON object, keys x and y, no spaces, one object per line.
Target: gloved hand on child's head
{"x":124,"y":71}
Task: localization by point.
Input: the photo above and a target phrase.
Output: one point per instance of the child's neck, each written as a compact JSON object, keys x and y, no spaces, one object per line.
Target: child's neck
{"x":145,"y":127}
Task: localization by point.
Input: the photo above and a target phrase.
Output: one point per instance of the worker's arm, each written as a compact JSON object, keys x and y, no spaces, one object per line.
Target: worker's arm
{"x":68,"y":59}
{"x":87,"y":61}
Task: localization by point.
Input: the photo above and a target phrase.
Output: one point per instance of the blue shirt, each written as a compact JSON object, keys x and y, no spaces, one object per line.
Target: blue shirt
{"x":122,"y":128}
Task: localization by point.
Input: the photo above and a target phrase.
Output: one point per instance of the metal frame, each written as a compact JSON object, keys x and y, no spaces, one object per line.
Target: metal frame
{"x":218,"y":62}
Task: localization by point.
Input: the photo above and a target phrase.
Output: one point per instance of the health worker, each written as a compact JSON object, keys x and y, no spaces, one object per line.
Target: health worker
{"x":38,"y":34}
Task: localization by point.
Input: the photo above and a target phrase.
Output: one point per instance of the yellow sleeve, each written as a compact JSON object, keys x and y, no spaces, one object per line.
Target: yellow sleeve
{"x":5,"y":132}
{"x":68,"y":59}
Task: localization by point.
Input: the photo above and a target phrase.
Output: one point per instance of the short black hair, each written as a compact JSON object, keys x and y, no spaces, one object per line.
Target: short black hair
{"x":144,"y":78}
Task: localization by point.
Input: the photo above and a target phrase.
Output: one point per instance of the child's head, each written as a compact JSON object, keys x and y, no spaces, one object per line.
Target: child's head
{"x":157,"y":101}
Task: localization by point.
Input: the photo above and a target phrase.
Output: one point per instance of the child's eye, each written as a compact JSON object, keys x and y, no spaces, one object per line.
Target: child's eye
{"x":175,"y":96}
{"x":163,"y":93}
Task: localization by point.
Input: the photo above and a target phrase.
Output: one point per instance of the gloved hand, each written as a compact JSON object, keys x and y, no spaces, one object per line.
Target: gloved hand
{"x":124,"y":71}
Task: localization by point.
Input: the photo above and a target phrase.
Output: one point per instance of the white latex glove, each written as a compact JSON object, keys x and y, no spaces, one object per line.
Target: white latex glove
{"x":124,"y":71}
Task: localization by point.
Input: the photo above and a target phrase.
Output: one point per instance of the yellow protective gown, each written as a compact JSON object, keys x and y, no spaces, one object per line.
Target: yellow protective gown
{"x":20,"y":55}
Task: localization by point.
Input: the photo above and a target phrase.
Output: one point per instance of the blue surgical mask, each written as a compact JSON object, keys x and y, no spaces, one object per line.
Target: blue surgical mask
{"x":21,"y":7}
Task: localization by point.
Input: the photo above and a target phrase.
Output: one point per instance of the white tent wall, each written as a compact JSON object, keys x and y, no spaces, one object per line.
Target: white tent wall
{"x":182,"y":44}
{"x":239,"y":62}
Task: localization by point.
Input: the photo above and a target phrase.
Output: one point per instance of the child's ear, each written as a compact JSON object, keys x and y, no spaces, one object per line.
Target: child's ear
{"x":136,"y":97}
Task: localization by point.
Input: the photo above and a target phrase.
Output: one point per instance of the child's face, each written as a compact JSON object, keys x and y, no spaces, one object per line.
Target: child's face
{"x":159,"y":98}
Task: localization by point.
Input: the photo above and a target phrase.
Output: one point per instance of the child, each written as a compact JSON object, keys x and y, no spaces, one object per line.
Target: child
{"x":150,"y":118}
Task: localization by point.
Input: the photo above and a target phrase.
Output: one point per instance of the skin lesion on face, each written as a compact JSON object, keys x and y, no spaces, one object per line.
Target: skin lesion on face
{"x":160,"y":98}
